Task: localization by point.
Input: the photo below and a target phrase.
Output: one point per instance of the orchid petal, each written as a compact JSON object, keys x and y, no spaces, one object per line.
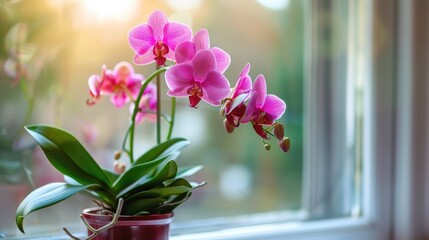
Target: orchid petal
{"x":201,"y":39}
{"x":260,"y":87}
{"x":185,"y":51}
{"x":215,"y":88}
{"x":119,"y":99}
{"x":123,"y":69}
{"x":243,"y":87}
{"x":222,"y":59}
{"x":175,"y":33}
{"x":94,"y":85}
{"x":144,"y":59}
{"x":274,"y":106}
{"x":179,"y":78}
{"x":251,"y":108}
{"x":141,"y":39}
{"x":203,"y":63}
{"x":237,"y":101}
{"x":157,"y":20}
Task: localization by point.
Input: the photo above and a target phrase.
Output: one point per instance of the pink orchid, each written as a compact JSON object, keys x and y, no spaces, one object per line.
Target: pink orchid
{"x":198,"y":79}
{"x":186,"y":51}
{"x":121,"y":83}
{"x":234,"y":107}
{"x":263,"y":109}
{"x":157,"y":39}
{"x":147,"y":105}
{"x":95,"y":82}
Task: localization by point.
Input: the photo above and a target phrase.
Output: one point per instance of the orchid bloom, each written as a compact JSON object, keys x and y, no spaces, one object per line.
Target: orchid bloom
{"x":95,"y":82}
{"x":263,"y":109}
{"x":186,"y":51}
{"x":122,"y":84}
{"x":147,"y":105}
{"x":157,"y":39}
{"x":198,"y":79}
{"x":234,"y":107}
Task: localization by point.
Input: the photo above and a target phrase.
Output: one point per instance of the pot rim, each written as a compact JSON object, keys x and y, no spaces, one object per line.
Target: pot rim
{"x":127,"y":220}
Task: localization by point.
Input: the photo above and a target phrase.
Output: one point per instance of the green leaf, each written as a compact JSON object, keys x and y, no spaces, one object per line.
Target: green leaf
{"x":140,"y":172}
{"x":164,"y":149}
{"x":135,"y":207}
{"x":174,"y":202}
{"x":111,"y":175}
{"x":43,"y":197}
{"x":168,"y":171}
{"x":188,"y":171}
{"x":67,"y":155}
{"x":164,"y":192}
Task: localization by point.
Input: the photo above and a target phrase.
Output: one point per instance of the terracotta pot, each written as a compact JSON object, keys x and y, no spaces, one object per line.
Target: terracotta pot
{"x":150,"y":227}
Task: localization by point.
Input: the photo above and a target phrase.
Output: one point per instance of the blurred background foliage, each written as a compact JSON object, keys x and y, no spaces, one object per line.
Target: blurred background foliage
{"x":49,"y":48}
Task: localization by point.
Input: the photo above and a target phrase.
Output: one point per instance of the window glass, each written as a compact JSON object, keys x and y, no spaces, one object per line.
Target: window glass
{"x":51,"y":47}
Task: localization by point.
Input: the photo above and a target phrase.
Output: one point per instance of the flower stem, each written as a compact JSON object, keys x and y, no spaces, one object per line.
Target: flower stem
{"x":173,"y":113}
{"x":130,"y":135}
{"x":158,"y":107}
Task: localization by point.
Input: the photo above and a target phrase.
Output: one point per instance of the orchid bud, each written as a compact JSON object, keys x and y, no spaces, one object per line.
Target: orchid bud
{"x":117,"y":155}
{"x":279,"y":131}
{"x":267,"y":146}
{"x":118,"y":167}
{"x":284,"y":144}
{"x":229,"y":128}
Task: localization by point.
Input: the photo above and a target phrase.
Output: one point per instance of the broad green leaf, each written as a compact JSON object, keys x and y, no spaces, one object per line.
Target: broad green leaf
{"x":174,"y":202}
{"x":111,"y":175}
{"x":164,"y":149}
{"x":188,"y":171}
{"x":67,"y":155}
{"x":168,"y":171}
{"x":135,"y":207}
{"x":140,"y":172}
{"x":164,"y":192}
{"x":43,"y":197}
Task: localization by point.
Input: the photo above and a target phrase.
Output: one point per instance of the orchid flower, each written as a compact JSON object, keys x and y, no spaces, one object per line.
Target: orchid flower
{"x":95,"y":82}
{"x":186,"y":51}
{"x":234,"y":107}
{"x":122,"y":84}
{"x":263,"y":109}
{"x":156,"y":40}
{"x":147,"y":105}
{"x":198,"y":79}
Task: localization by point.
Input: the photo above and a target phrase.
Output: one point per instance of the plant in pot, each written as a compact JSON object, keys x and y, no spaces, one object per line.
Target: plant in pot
{"x":138,"y":199}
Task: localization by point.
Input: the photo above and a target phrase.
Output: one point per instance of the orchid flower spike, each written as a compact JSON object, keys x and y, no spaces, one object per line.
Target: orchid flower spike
{"x":198,"y":79}
{"x":263,"y":109}
{"x":156,"y":40}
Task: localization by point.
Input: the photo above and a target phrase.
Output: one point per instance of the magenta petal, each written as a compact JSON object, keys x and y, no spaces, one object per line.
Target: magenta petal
{"x":251,"y":108}
{"x":274,"y":106}
{"x":119,"y":99}
{"x":203,"y":63}
{"x":141,"y":39}
{"x":157,"y":21}
{"x":201,"y":39}
{"x":244,"y":86}
{"x":245,"y":71}
{"x":144,"y":59}
{"x":123,"y":69}
{"x":94,"y":84}
{"x":179,"y":77}
{"x":260,"y":87}
{"x":185,"y":51}
{"x":222,"y":59}
{"x":215,"y":88}
{"x":175,"y":33}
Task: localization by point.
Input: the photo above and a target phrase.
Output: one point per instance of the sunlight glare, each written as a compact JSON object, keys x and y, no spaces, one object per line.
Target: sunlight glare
{"x":111,"y":9}
{"x":184,"y":4}
{"x":274,"y":4}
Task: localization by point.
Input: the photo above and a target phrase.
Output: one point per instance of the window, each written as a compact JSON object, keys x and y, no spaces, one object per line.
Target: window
{"x":317,"y":55}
